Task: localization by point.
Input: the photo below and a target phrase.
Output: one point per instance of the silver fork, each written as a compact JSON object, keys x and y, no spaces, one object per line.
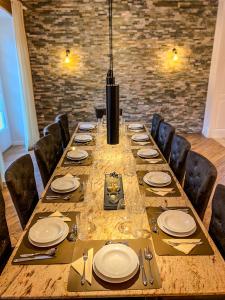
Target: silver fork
{"x":148,"y":256}
{"x":50,"y":252}
{"x":85,"y":258}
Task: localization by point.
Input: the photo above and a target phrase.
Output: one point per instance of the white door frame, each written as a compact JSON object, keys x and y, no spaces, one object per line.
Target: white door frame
{"x":214,"y":120}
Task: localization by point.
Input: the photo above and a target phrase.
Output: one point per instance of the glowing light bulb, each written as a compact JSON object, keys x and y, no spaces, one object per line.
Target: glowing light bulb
{"x":67,"y":58}
{"x":175,"y":55}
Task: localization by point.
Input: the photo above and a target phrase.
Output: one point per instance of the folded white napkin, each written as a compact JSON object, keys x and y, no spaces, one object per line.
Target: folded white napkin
{"x":185,"y":246}
{"x":78,"y":266}
{"x":160,"y":191}
{"x":61,"y":216}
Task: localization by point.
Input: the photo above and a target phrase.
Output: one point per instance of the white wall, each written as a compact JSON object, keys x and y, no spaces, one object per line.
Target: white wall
{"x":214,"y":121}
{"x":10,"y":79}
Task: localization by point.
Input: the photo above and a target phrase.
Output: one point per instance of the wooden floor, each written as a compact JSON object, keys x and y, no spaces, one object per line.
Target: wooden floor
{"x":210,"y":148}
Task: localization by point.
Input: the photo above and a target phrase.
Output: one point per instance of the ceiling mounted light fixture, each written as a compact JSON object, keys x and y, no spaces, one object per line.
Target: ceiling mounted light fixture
{"x":112,"y":92}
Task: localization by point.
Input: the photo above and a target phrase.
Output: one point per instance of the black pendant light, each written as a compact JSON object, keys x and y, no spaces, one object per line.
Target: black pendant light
{"x":112,"y":92}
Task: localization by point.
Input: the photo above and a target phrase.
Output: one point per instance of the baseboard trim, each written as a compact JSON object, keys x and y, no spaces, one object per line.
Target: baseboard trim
{"x":215,"y":134}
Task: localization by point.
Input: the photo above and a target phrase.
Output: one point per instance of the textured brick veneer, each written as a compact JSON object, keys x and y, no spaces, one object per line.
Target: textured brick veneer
{"x":145,"y":32}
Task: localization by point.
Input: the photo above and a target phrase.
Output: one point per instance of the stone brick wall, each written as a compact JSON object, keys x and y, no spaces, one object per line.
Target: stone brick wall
{"x":145,"y":32}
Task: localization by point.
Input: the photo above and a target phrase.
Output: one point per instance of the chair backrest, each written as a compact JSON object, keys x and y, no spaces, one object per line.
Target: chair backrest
{"x":179,"y":150}
{"x":217,"y":223}
{"x":200,"y":176}
{"x":21,"y":184}
{"x":5,"y":243}
{"x":55,"y":130}
{"x":62,"y":119}
{"x":164,"y":140}
{"x":44,"y":151}
{"x":156,"y":120}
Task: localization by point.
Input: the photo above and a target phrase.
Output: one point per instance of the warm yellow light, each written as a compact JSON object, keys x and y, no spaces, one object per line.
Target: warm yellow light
{"x":175,"y":55}
{"x":67,"y":58}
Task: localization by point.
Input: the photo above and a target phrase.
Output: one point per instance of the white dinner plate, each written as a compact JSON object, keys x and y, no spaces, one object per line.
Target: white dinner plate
{"x":86,"y":126}
{"x":115,"y":280}
{"x":177,"y":221}
{"x":116,"y":261}
{"x":140,"y":137}
{"x":147,"y":153}
{"x":54,"y":243}
{"x":157,"y":178}
{"x":83,"y":138}
{"x":47,"y":230}
{"x":135,"y":126}
{"x":77,"y":154}
{"x":174,"y":233}
{"x":65,"y":184}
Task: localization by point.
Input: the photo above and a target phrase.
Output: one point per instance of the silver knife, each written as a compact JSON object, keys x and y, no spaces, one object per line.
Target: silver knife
{"x":143,"y":274}
{"x":39,"y":257}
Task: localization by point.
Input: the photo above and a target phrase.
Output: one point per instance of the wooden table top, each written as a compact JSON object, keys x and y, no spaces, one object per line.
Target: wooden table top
{"x":180,"y":275}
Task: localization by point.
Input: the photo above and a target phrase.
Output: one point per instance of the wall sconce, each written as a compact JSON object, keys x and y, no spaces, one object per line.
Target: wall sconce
{"x":67,"y":58}
{"x":175,"y":55}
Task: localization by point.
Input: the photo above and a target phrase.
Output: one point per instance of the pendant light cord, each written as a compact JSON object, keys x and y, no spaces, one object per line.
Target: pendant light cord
{"x":110,"y":37}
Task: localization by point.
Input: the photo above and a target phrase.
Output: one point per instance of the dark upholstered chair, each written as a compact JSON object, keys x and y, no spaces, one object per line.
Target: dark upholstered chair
{"x":217,"y":223}
{"x":156,"y":120}
{"x":164,"y":140}
{"x":55,"y":130}
{"x":62,"y":119}
{"x":21,"y":184}
{"x":179,"y":150}
{"x":5,"y":243}
{"x":44,"y":151}
{"x":200,"y":176}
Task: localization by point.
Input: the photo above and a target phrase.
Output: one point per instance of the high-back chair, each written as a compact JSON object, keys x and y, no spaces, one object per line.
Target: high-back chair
{"x":156,"y":120}
{"x":200,"y":176}
{"x":55,"y":130}
{"x":62,"y":119}
{"x":179,"y":150}
{"x":44,"y":151}
{"x":5,"y":243}
{"x":217,"y":223}
{"x":21,"y":184}
{"x":164,"y":140}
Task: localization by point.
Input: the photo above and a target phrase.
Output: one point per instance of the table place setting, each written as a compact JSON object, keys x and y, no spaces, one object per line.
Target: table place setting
{"x":158,"y":183}
{"x":136,"y":127}
{"x":99,"y":265}
{"x":66,"y":189}
{"x":148,"y":155}
{"x":176,"y":232}
{"x":87,"y":127}
{"x":77,"y":157}
{"x":48,"y":239}
{"x":82,"y":139}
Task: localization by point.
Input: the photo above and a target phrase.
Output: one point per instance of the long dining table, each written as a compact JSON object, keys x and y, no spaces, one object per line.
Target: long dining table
{"x":183,"y":275}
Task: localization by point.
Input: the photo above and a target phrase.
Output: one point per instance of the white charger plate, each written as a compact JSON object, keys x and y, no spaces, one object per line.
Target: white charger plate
{"x":115,"y":280}
{"x":147,"y":153}
{"x":177,"y":221}
{"x":77,"y":154}
{"x":157,"y":179}
{"x":135,"y":126}
{"x":53,"y":243}
{"x":83,"y":138}
{"x":140,"y":137}
{"x":116,"y":261}
{"x":174,"y":233}
{"x":86,"y":126}
{"x":65,"y":184}
{"x":47,"y":230}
